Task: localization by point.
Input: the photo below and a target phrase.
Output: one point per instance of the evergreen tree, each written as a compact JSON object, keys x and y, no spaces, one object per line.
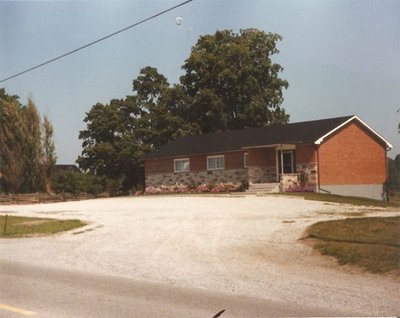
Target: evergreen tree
{"x":48,"y":155}
{"x":27,"y":154}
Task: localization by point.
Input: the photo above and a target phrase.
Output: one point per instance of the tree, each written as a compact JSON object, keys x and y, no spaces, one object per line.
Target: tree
{"x":111,"y":147}
{"x":394,"y":173}
{"x":33,"y":177}
{"x":11,"y":143}
{"x":160,"y":105}
{"x":232,"y":83}
{"x":118,"y":134}
{"x":23,"y":167}
{"x":48,"y":155}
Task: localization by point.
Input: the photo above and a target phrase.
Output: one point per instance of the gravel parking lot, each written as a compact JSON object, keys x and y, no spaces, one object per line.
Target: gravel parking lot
{"x":243,"y":245}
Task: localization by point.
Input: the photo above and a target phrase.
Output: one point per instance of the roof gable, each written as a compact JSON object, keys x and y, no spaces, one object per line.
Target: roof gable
{"x":308,"y":132}
{"x":355,"y":118}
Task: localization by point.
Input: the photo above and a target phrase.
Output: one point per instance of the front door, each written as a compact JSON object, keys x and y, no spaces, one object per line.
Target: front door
{"x":286,"y":161}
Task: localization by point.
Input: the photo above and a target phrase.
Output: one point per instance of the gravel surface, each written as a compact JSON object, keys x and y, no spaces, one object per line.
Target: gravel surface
{"x":244,"y":245}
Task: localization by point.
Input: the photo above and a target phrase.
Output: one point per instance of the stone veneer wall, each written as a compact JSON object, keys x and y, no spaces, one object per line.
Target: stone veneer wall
{"x":253,"y":174}
{"x":262,"y":174}
{"x":292,"y":179}
{"x":288,"y":180}
{"x":197,"y":177}
{"x":311,"y":169}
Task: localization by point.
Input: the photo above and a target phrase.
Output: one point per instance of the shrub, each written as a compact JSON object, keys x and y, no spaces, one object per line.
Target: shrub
{"x":77,"y":182}
{"x":302,"y":176}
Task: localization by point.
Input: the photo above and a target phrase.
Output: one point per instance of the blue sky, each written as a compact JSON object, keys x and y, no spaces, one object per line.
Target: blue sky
{"x":340,"y":57}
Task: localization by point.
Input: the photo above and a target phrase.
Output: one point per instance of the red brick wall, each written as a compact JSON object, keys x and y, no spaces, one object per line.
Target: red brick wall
{"x":198,"y":163}
{"x":352,"y":156}
{"x":233,"y":160}
{"x":262,"y":157}
{"x":305,"y":154}
{"x":158,"y":166}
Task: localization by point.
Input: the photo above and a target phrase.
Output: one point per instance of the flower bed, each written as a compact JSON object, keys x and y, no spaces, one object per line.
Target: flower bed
{"x":202,"y":188}
{"x":298,"y":188}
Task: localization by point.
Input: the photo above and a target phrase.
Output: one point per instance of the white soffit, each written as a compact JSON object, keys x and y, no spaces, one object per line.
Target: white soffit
{"x":320,"y":140}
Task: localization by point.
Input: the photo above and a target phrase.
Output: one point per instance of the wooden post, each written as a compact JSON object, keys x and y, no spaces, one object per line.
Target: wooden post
{"x":5,"y":224}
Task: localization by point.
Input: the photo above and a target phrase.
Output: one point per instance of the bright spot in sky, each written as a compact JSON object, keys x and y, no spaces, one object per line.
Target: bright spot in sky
{"x":178,"y":20}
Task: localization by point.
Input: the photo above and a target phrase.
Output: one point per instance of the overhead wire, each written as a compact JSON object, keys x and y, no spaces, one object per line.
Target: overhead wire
{"x":96,"y":41}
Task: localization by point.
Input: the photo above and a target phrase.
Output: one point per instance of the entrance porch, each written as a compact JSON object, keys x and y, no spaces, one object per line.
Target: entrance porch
{"x":280,"y":164}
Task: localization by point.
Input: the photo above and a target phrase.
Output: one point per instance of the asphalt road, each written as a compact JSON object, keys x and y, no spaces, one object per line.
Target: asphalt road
{"x":27,"y":290}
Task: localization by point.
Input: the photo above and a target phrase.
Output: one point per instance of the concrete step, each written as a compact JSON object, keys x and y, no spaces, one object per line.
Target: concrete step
{"x":260,"y":188}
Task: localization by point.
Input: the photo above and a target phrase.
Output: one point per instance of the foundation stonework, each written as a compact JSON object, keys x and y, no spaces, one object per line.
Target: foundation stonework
{"x":252,"y":174}
{"x":195,"y":178}
{"x":311,"y":169}
{"x":288,"y":180}
{"x":262,"y":174}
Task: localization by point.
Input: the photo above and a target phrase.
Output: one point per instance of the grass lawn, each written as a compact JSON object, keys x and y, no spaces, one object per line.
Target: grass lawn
{"x":25,"y":226}
{"x":341,"y":199}
{"x":372,"y":242}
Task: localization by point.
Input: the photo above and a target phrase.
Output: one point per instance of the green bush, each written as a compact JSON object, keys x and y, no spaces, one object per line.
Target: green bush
{"x":77,"y":182}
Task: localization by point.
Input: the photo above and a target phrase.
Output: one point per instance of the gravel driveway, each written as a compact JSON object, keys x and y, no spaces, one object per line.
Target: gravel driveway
{"x":244,"y":245}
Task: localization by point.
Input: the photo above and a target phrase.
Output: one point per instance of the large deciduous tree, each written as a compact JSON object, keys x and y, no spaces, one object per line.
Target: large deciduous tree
{"x":111,"y":147}
{"x":118,"y":134}
{"x":161,"y":118}
{"x":232,"y":83}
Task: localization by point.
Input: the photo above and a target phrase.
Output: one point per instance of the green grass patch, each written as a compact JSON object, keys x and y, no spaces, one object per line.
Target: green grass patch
{"x":26,"y":226}
{"x":341,"y":199}
{"x":372,"y":243}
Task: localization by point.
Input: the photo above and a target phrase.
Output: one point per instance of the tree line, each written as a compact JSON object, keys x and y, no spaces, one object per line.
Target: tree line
{"x":27,"y":152}
{"x":229,"y":82}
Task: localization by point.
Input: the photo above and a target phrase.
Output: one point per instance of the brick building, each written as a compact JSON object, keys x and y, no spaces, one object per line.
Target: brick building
{"x":336,"y":155}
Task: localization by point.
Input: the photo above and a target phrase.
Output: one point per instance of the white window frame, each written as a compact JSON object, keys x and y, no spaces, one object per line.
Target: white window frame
{"x":215,"y":157}
{"x":246,"y":160}
{"x":181,"y":159}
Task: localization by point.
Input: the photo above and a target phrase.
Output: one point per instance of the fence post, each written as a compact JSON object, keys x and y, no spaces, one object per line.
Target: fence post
{"x":5,"y":224}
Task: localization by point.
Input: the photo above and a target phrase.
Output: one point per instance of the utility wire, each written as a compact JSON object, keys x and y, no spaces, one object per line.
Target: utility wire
{"x":95,"y":42}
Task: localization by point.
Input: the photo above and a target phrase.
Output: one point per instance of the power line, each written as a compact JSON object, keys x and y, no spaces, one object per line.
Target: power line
{"x":96,"y":41}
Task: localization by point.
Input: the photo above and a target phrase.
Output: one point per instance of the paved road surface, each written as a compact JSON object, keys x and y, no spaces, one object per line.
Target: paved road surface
{"x":27,"y":290}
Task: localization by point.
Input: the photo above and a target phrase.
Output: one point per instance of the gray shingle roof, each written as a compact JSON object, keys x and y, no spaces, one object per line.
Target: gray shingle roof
{"x":301,"y":133}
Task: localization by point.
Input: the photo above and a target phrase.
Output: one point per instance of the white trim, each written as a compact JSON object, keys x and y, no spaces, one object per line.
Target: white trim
{"x":320,"y":140}
{"x":215,"y":157}
{"x":271,"y":146}
{"x":182,"y":159}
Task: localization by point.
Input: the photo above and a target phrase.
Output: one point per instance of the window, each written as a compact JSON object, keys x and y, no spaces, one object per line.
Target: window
{"x":181,"y":165}
{"x":215,"y":163}
{"x":245,"y":159}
